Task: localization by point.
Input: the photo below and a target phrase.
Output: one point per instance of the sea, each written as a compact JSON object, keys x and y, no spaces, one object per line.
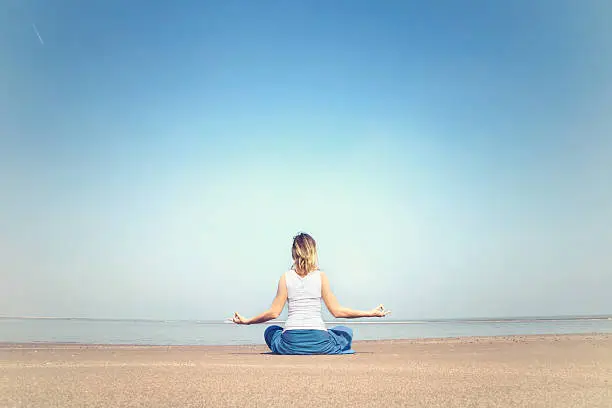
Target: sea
{"x":188,"y":332}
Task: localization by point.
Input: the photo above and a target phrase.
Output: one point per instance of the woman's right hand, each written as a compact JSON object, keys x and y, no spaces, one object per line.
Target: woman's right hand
{"x":380,"y":311}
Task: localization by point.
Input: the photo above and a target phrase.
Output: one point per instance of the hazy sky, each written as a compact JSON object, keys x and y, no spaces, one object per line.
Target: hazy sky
{"x":452,"y":159}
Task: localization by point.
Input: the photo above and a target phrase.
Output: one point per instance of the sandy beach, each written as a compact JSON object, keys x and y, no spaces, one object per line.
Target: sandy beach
{"x":521,"y":371}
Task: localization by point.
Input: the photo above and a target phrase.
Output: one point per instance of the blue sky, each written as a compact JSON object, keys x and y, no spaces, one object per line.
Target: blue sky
{"x":451,"y":159}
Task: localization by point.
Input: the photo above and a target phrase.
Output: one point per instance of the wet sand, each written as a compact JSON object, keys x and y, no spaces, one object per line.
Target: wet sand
{"x":521,"y":371}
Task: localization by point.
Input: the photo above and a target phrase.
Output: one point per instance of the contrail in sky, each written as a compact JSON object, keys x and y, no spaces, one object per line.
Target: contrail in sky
{"x":38,"y":34}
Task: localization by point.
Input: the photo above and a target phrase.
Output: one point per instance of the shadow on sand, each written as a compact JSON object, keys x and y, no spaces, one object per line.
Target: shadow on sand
{"x":269,"y":353}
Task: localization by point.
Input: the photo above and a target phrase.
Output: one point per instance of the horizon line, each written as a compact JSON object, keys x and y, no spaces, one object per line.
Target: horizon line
{"x":353,"y":321}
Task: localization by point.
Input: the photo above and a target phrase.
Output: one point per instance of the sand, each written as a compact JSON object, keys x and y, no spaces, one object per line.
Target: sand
{"x":534,"y":371}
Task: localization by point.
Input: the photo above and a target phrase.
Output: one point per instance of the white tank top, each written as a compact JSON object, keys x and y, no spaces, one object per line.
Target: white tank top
{"x":304,"y":301}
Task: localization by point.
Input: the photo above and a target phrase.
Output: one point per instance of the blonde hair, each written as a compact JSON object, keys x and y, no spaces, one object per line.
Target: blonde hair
{"x":304,"y":253}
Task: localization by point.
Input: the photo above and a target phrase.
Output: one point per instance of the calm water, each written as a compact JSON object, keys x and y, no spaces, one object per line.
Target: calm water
{"x":218,"y":333}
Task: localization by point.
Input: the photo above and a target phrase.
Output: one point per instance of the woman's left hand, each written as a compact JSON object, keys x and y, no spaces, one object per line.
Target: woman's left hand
{"x":239,"y":319}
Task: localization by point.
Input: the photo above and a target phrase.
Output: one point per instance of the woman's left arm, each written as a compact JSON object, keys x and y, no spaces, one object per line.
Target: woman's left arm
{"x":273,"y":312}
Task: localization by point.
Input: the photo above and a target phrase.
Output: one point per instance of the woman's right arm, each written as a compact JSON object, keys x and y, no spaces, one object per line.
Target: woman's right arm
{"x":337,"y":310}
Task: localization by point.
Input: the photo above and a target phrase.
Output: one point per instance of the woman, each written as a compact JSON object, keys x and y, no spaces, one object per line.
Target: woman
{"x":304,"y":286}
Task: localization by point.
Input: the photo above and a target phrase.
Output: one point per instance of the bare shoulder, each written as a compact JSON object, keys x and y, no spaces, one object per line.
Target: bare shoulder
{"x":282,"y":285}
{"x":323,"y":276}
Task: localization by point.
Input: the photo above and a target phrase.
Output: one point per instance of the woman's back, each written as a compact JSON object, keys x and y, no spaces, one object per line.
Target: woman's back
{"x":304,"y":291}
{"x":304,"y":301}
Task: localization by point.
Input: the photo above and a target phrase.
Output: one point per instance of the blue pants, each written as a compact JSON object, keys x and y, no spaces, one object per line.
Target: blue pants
{"x":337,"y":340}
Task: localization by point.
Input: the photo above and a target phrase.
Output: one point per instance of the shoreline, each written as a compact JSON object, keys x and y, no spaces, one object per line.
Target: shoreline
{"x":422,"y":340}
{"x":490,"y":319}
{"x":556,"y":371}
